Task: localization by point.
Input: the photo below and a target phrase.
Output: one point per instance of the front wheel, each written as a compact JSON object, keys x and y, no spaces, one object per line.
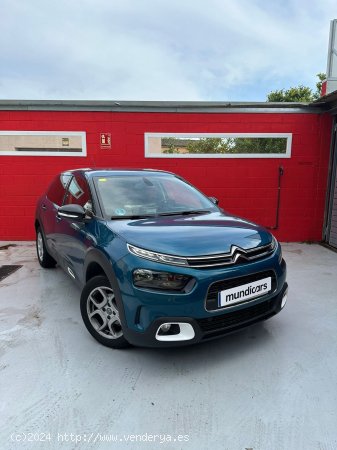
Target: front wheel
{"x":100,"y":313}
{"x":45,"y":259}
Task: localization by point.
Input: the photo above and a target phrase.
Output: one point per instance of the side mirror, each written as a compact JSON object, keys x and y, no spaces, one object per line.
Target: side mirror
{"x":72,"y":212}
{"x":214,"y":200}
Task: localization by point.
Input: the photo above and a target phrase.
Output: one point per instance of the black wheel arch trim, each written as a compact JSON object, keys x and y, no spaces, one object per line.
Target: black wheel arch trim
{"x":98,"y":257}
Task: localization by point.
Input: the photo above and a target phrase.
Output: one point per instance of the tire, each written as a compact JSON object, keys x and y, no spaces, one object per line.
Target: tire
{"x":100,"y":313}
{"x":45,"y":259}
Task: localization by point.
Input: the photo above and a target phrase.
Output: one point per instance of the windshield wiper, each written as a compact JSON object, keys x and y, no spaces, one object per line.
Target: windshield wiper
{"x":185,"y":213}
{"x":133,"y":217}
{"x":172,"y":213}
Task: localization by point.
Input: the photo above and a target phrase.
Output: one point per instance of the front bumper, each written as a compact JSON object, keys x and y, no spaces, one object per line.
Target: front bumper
{"x":210,"y":327}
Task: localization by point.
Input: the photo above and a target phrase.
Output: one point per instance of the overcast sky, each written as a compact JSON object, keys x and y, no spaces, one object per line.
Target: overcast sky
{"x":216,"y":50}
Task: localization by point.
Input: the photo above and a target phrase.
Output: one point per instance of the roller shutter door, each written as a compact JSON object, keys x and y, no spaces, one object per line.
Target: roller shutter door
{"x":333,"y":217}
{"x":331,"y":235}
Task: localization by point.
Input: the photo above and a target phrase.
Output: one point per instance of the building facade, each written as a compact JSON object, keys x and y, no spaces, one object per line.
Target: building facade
{"x":286,"y":186}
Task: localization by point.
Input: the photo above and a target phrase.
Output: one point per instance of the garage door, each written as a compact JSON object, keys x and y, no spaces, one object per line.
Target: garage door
{"x":332,"y":212}
{"x":333,"y":219}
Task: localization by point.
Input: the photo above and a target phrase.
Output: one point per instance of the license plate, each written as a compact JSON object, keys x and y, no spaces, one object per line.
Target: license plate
{"x":244,"y":292}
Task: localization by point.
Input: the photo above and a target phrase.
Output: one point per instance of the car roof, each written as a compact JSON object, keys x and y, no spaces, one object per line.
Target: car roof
{"x":91,"y":172}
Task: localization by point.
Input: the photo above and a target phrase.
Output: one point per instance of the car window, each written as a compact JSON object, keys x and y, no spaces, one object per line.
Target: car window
{"x":57,"y":188}
{"x":185,"y":197}
{"x":78,"y":193}
{"x":124,"y":195}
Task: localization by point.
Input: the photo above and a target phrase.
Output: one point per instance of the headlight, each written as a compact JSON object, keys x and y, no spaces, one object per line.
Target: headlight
{"x":159,"y":257}
{"x":164,"y":281}
{"x":274,"y":244}
{"x":280,"y":255}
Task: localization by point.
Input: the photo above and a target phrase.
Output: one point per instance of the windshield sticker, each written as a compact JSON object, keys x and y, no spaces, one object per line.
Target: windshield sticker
{"x":120,"y":212}
{"x":102,"y":179}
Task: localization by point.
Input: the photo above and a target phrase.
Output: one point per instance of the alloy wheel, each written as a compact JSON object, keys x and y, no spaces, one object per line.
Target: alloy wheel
{"x":103,"y":313}
{"x":40,"y":249}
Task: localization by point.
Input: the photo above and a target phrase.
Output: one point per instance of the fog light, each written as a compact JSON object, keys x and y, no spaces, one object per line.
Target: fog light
{"x":168,"y":329}
{"x":176,"y":331}
{"x":165,"y":327}
{"x":284,"y":299}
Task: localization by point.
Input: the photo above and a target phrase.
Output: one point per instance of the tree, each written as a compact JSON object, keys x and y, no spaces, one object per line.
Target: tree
{"x":238,"y":145}
{"x":207,"y":145}
{"x":260,"y":145}
{"x":298,"y":94}
{"x":230,"y":145}
{"x":170,"y":145}
{"x":321,"y":77}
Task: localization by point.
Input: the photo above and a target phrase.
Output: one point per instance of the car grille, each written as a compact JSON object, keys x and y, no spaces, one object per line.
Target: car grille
{"x":218,"y":325}
{"x":236,"y":255}
{"x":218,"y":286}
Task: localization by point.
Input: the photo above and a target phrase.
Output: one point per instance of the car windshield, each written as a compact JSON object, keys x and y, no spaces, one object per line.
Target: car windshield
{"x":137,"y":196}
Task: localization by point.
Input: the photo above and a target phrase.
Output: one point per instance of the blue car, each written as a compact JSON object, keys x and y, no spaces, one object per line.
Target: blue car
{"x":158,"y":262}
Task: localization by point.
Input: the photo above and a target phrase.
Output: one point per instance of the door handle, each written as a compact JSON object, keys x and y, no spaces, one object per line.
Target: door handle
{"x":44,"y":207}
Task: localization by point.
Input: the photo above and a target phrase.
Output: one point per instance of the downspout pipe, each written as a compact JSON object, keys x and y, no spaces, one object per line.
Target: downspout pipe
{"x":280,"y":175}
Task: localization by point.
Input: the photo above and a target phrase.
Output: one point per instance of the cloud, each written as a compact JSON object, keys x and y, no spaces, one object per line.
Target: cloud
{"x":159,"y":49}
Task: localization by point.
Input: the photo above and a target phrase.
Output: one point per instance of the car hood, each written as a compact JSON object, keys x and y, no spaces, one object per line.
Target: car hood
{"x":191,"y":235}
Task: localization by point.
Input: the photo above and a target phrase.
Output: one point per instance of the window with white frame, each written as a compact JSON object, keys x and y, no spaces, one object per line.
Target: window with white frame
{"x":43,"y":143}
{"x":218,"y":145}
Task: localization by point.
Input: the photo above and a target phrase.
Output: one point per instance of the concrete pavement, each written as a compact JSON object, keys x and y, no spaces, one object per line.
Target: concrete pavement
{"x":272,"y":386}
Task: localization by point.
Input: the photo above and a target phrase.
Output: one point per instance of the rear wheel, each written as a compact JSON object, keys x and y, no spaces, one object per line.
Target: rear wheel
{"x":100,"y":313}
{"x":45,"y":259}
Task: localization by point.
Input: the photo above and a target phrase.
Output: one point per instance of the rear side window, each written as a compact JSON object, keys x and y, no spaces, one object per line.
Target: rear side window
{"x":57,"y":189}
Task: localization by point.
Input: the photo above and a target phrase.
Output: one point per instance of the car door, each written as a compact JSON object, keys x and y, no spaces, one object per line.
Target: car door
{"x":49,"y":206}
{"x":73,"y":237}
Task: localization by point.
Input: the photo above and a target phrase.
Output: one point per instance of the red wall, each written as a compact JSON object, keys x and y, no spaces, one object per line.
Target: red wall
{"x":246,"y":187}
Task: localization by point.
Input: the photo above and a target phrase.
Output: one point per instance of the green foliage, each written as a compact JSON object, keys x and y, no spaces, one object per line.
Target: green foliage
{"x":260,"y":145}
{"x":171,"y":144}
{"x":298,"y":94}
{"x":294,"y":94}
{"x":225,"y":145}
{"x":207,"y":145}
{"x":321,"y":77}
{"x":170,"y":151}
